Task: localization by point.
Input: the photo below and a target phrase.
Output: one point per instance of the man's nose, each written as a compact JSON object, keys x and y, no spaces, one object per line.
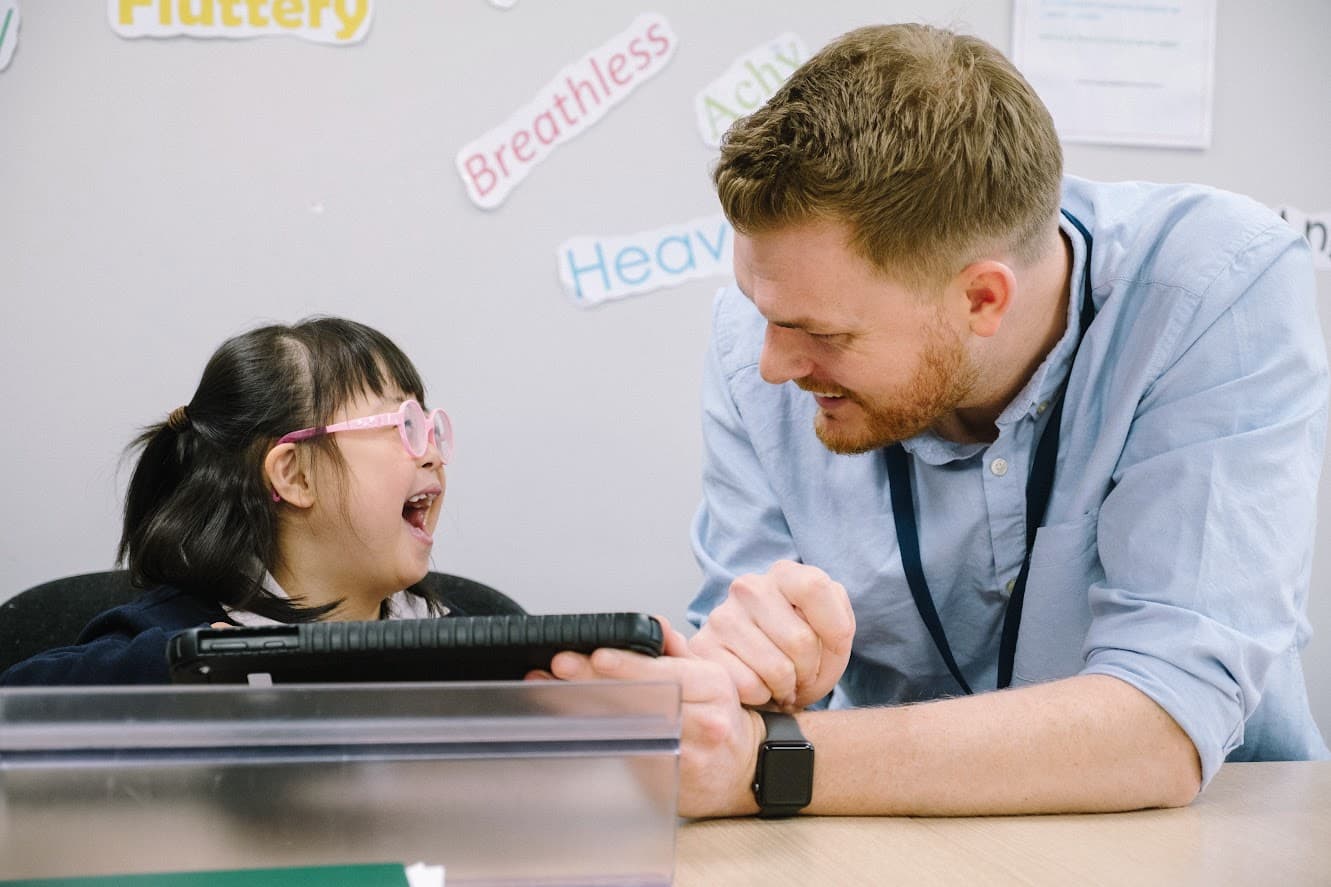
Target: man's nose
{"x":782,"y":358}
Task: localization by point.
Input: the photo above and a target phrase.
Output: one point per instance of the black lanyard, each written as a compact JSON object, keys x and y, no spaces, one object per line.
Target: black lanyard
{"x":1038,"y":486}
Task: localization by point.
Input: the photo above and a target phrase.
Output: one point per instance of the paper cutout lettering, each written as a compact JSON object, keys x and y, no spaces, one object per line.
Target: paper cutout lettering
{"x":337,"y":22}
{"x":595,"y":270}
{"x":9,"y":27}
{"x":747,"y":83}
{"x":493,"y":164}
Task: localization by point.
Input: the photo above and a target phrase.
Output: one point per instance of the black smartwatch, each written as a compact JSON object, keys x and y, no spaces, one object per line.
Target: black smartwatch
{"x":783,"y":782}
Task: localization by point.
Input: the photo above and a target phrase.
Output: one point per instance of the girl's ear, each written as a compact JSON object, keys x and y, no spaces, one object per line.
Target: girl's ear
{"x":287,"y":477}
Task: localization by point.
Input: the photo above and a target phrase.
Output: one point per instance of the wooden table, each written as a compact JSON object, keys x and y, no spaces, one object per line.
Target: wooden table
{"x":1256,"y":824}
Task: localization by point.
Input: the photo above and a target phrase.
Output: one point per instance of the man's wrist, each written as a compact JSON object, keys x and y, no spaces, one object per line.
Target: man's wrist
{"x":783,"y":774}
{"x":744,"y":802}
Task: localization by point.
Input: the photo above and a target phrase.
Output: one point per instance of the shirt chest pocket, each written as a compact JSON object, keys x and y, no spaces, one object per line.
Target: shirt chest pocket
{"x":1056,"y":613}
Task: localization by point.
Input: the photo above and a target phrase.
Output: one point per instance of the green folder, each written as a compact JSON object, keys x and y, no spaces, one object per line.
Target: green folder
{"x":375,"y":875}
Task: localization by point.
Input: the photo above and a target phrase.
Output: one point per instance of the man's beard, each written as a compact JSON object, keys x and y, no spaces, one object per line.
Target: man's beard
{"x":944,"y":380}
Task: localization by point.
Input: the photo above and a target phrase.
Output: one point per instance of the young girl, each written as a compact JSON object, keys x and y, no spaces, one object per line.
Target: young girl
{"x":302,"y":481}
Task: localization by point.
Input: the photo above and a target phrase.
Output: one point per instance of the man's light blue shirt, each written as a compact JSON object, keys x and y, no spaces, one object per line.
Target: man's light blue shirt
{"x":1176,"y":549}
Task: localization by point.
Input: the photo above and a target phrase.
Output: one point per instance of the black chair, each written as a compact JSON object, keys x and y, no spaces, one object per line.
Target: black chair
{"x":54,"y":613}
{"x":467,"y":597}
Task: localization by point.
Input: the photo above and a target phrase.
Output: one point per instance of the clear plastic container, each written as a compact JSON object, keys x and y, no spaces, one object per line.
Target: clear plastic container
{"x":501,"y":783}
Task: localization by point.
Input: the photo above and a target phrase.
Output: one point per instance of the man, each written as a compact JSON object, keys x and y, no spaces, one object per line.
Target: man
{"x":1047,"y":435}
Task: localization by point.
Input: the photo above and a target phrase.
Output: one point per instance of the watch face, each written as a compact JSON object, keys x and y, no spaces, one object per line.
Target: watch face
{"x":787,"y":777}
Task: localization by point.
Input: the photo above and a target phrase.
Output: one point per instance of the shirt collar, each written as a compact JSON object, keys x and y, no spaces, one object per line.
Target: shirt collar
{"x":401,"y":605}
{"x":245,"y":617}
{"x":1035,"y":396}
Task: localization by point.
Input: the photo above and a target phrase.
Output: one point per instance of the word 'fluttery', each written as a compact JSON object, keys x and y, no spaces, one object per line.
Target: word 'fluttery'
{"x":332,"y":20}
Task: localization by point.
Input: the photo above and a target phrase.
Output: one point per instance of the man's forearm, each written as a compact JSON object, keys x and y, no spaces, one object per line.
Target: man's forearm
{"x":1084,"y":744}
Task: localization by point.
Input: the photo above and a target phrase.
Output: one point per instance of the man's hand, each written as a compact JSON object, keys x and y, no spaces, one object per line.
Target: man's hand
{"x":718,"y":748}
{"x":783,"y":637}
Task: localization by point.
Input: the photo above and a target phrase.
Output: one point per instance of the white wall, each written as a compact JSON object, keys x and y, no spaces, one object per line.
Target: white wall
{"x":158,"y":196}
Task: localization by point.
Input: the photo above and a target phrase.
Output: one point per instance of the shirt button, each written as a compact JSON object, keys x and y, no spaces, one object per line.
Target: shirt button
{"x":998,"y":467}
{"x":1011,"y":584}
{"x":1044,"y":405}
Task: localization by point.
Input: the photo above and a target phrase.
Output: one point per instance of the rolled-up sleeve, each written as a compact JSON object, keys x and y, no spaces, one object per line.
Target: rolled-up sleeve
{"x":1206,"y":536}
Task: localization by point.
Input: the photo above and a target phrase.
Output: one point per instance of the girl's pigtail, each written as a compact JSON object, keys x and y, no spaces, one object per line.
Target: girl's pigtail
{"x":157,"y":475}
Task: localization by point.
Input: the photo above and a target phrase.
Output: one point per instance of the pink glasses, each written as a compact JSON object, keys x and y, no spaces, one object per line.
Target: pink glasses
{"x":415,"y":426}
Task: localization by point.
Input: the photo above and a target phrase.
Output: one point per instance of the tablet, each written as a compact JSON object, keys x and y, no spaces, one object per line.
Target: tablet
{"x":450,"y":648}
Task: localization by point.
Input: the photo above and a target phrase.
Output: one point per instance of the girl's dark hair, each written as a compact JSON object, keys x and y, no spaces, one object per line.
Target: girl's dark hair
{"x":198,"y":514}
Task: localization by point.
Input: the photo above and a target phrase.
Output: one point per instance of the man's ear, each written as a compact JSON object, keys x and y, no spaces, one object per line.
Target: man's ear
{"x":288,"y":477}
{"x":988,"y":287}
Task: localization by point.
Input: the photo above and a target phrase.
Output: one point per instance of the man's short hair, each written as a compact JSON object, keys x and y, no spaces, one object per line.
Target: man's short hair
{"x":928,"y":144}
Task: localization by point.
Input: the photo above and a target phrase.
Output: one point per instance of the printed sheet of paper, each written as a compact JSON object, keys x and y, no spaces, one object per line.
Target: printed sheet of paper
{"x":1121,"y":73}
{"x":1316,"y":229}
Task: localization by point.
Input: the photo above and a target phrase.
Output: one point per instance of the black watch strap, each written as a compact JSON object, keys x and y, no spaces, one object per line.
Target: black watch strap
{"x":783,"y":781}
{"x":781,"y":727}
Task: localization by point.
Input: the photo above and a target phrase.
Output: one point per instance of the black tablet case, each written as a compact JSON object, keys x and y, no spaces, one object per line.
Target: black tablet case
{"x":460,"y":648}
